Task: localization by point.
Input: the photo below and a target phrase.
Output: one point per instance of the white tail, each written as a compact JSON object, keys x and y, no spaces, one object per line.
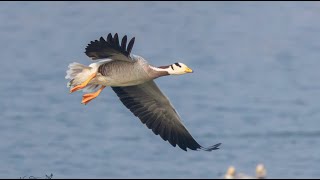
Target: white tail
{"x":74,"y":70}
{"x":77,"y":73}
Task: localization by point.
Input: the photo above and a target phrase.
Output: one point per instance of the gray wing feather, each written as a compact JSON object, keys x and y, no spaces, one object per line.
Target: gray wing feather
{"x":110,"y":48}
{"x":153,"y":108}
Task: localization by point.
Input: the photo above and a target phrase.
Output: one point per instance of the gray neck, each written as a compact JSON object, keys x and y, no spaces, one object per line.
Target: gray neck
{"x":156,"y":72}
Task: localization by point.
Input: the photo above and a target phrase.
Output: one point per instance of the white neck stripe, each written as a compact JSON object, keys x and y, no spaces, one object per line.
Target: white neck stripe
{"x":158,"y":69}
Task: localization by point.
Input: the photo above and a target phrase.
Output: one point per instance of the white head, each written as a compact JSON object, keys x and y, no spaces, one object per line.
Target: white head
{"x":178,"y":68}
{"x":173,"y":69}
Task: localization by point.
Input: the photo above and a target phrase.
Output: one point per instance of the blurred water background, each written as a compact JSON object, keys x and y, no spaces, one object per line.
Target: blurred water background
{"x":255,"y":89}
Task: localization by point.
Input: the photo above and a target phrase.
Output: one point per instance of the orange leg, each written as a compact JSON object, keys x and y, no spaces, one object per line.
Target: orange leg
{"x":86,"y":98}
{"x":84,"y":84}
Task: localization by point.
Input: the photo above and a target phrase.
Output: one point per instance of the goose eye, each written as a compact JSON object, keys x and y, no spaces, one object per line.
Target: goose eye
{"x":177,"y":64}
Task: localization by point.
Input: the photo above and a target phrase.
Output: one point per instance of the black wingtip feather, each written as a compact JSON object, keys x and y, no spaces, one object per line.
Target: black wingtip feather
{"x":214,"y":147}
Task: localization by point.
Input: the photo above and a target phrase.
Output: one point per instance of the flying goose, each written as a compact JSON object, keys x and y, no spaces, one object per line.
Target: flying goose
{"x":131,"y":78}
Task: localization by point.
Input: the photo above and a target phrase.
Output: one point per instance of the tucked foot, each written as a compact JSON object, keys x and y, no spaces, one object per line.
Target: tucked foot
{"x":84,"y":84}
{"x":86,"y":98}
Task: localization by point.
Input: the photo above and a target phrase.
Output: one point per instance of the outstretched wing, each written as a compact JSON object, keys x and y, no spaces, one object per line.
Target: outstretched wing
{"x":110,"y":48}
{"x":153,"y":108}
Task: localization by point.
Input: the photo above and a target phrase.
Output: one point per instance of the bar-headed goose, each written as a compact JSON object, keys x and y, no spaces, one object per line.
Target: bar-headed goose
{"x":131,"y":78}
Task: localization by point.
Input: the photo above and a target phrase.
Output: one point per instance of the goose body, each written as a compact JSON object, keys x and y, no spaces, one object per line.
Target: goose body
{"x":132,"y":78}
{"x":121,"y":73}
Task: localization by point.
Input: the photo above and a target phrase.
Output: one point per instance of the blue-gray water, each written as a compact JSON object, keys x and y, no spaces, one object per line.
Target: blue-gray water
{"x":255,"y":89}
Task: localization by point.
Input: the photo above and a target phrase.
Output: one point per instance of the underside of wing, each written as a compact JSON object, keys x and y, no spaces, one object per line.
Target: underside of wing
{"x":110,"y":48}
{"x":153,"y":108}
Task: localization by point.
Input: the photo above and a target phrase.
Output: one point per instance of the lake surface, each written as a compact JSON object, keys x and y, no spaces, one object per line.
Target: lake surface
{"x":255,"y":89}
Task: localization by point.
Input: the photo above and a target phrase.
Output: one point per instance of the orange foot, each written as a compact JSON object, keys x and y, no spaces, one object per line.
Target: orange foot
{"x":86,"y":98}
{"x":84,"y":84}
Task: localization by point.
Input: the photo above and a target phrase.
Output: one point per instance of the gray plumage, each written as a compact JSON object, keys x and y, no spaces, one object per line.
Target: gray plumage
{"x":131,"y":78}
{"x":152,"y":107}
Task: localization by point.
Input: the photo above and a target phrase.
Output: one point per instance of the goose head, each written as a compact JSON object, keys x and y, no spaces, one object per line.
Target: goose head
{"x":178,"y":69}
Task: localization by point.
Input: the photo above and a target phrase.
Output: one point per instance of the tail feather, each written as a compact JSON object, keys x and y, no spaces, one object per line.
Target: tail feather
{"x":69,"y":85}
{"x":78,"y":73}
{"x":74,"y":70}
